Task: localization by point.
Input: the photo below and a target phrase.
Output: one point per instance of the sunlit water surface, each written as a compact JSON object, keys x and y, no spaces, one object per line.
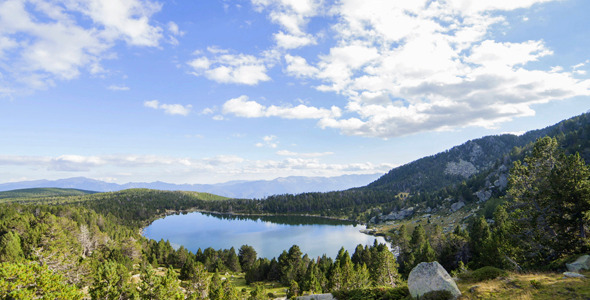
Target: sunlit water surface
{"x":269,"y":235}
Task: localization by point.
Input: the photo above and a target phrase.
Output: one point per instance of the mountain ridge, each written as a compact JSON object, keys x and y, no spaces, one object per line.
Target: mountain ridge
{"x":232,"y":189}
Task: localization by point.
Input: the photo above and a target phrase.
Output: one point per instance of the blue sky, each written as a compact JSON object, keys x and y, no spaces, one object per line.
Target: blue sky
{"x":212,"y":91}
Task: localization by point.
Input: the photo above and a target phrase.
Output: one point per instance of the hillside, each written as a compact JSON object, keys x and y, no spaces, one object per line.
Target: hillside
{"x":43,"y":192}
{"x":467,"y":160}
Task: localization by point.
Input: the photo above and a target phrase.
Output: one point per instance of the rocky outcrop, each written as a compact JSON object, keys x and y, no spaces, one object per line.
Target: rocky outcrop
{"x":582,"y":263}
{"x":483,"y":196}
{"x":398,"y":215}
{"x":462,"y":168}
{"x":457,"y":206}
{"x":428,"y":277}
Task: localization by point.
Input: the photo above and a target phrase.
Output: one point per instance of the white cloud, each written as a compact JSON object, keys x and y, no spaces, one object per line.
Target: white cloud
{"x":174,"y":29}
{"x":293,"y":16}
{"x":412,"y":66}
{"x":243,"y":107}
{"x":118,"y":88}
{"x":171,"y":109}
{"x":268,"y":141}
{"x":44,"y":41}
{"x":289,"y":41}
{"x":231,"y":68}
{"x":219,"y":168}
{"x":311,"y":154}
{"x":207,"y":111}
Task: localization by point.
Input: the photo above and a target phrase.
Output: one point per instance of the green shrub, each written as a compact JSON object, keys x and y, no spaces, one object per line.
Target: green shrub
{"x":481,"y":274}
{"x":397,"y":293}
{"x":437,"y":295}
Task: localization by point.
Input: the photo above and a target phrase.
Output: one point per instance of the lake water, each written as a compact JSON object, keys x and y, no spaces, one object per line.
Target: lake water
{"x":269,"y":235}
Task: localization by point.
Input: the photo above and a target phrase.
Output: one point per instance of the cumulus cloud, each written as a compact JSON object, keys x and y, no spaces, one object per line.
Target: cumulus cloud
{"x":243,"y":107}
{"x":293,"y":17}
{"x":171,"y":109}
{"x":412,"y":66}
{"x":44,"y":41}
{"x":230,"y":68}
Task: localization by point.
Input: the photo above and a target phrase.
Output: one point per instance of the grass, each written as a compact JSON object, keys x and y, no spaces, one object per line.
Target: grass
{"x":528,"y":286}
{"x":239,"y":283}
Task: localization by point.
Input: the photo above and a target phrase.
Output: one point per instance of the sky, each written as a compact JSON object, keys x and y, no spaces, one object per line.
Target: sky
{"x":220,"y":90}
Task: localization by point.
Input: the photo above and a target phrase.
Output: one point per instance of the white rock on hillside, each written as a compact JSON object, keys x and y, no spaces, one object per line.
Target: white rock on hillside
{"x":428,"y":277}
{"x":457,"y":206}
{"x":582,"y":263}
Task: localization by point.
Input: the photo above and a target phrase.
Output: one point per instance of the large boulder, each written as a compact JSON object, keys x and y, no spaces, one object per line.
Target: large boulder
{"x":428,"y":277}
{"x":582,"y":263}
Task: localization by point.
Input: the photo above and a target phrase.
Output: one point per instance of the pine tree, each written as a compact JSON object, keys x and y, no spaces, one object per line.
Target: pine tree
{"x":111,"y":281}
{"x":10,"y":247}
{"x":570,"y":194}
{"x":386,"y":273}
{"x":215,"y":288}
{"x":247,"y":257}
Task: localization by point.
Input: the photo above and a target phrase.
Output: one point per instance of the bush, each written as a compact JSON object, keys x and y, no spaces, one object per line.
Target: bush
{"x":437,"y":295}
{"x":481,"y":274}
{"x":397,"y":293}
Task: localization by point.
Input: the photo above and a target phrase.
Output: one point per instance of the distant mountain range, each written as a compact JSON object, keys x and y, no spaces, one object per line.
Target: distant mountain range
{"x":233,"y":189}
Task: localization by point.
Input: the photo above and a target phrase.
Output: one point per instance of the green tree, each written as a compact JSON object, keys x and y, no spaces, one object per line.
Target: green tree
{"x":247,"y":257}
{"x":169,"y":287}
{"x":386,"y":272}
{"x":111,"y":281}
{"x":258,"y":293}
{"x":570,"y":194}
{"x":32,"y":281}
{"x":233,"y":262}
{"x":529,"y":191}
{"x":216,"y":291}
{"x":550,"y":196}
{"x":293,"y":290}
{"x":197,"y":280}
{"x":10,"y":247}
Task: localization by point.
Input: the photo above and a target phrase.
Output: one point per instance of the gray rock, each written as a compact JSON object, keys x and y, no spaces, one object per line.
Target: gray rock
{"x":457,"y":205}
{"x":582,"y":263}
{"x":573,"y":275}
{"x":428,"y":277}
{"x":399,"y":215}
{"x":461,"y":168}
{"x":483,"y":196}
{"x":317,"y":297}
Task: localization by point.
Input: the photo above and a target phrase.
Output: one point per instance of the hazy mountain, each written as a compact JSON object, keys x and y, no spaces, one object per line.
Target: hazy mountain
{"x":234,"y":189}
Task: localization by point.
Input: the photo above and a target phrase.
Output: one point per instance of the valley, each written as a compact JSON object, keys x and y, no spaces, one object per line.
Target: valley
{"x":466,"y":208}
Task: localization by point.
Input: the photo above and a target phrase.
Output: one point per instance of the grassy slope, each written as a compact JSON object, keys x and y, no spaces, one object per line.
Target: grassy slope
{"x":42,"y":192}
{"x":528,"y":286}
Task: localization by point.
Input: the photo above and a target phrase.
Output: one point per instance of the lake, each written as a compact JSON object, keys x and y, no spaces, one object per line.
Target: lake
{"x":269,"y":235}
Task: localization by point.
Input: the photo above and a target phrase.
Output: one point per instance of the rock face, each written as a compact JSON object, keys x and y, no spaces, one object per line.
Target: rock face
{"x":317,"y":297}
{"x":457,"y":206}
{"x":398,"y":215}
{"x":428,"y":277}
{"x":461,"y":168}
{"x":582,"y":263}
